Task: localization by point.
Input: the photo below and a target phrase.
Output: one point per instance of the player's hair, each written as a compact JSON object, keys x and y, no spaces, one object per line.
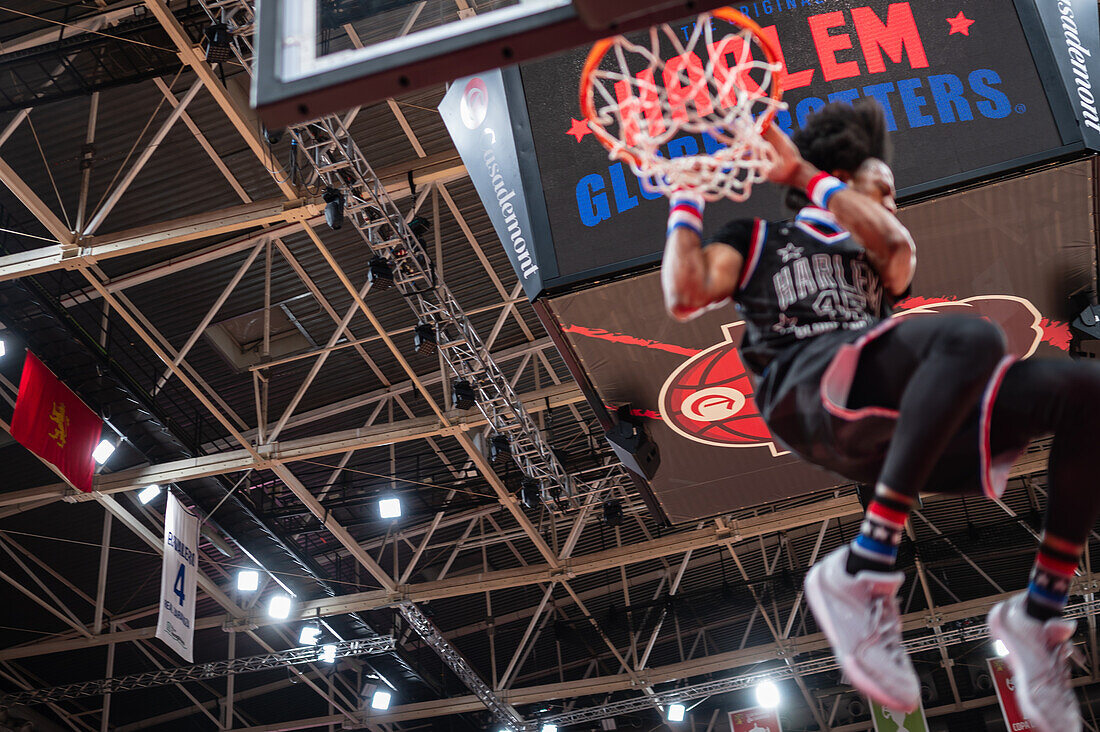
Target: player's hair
{"x":841,"y":136}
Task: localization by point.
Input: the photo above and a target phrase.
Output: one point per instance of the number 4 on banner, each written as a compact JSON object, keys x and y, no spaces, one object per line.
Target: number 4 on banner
{"x":177,"y":588}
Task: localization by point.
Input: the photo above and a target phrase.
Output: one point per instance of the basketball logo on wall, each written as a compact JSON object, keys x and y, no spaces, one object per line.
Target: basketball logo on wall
{"x":708,"y":399}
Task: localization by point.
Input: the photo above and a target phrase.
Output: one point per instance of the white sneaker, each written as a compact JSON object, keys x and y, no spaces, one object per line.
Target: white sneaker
{"x":859,"y":615}
{"x":1038,"y":654}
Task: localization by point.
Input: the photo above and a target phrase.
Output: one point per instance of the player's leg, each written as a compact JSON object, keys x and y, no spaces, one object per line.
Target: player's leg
{"x":1040,"y":397}
{"x":933,"y":371}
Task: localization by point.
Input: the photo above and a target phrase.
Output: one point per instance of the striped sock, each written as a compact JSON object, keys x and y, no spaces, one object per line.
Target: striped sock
{"x":1048,"y":590}
{"x":876,"y":547}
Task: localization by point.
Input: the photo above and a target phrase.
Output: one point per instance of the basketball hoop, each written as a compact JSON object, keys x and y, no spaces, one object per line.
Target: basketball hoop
{"x":637,"y":98}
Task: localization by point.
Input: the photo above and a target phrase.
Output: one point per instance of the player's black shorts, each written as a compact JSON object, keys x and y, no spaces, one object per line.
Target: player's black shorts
{"x":804,"y":396}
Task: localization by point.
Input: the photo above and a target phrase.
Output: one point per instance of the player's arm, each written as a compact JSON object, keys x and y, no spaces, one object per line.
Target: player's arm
{"x":695,"y":277}
{"x":888,"y":243}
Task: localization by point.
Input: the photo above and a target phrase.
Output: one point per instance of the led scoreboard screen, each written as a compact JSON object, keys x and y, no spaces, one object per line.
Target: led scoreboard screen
{"x":961,"y":84}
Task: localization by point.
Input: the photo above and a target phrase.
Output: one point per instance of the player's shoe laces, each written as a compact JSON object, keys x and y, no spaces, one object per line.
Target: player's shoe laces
{"x":859,"y":615}
{"x":1038,"y":654}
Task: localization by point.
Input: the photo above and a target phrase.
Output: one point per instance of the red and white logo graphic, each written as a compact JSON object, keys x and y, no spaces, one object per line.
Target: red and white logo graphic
{"x":474,"y":104}
{"x":1021,"y":322}
{"x":708,"y":399}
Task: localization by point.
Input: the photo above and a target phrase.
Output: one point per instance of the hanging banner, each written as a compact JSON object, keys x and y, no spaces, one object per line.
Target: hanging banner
{"x":52,"y":422}
{"x":755,"y":719}
{"x":1073,"y":30}
{"x":176,"y":621}
{"x":1006,"y":695}
{"x":888,"y":720}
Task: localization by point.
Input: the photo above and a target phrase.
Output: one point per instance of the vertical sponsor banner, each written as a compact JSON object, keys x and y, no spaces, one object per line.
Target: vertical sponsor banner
{"x":176,"y":620}
{"x":888,"y":720}
{"x":475,"y":110}
{"x":1073,"y":30}
{"x":1006,"y":696}
{"x":755,"y":719}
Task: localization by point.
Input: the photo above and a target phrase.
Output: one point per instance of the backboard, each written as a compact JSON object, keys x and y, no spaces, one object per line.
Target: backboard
{"x":314,"y":57}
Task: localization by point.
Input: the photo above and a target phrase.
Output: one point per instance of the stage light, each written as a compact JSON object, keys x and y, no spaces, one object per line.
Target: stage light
{"x":328,"y":653}
{"x":248,"y":580}
{"x":149,"y":493}
{"x":530,"y":494}
{"x":632,"y":445}
{"x":499,"y":446}
{"x":676,"y":712}
{"x":379,"y":273}
{"x":2,"y":349}
{"x":767,"y":694}
{"x":1000,"y":648}
{"x":273,"y":136}
{"x":419,"y":226}
{"x":462,"y":394}
{"x":612,"y":513}
{"x":103,"y":451}
{"x":549,"y":728}
{"x":389,"y":508}
{"x":309,"y":635}
{"x":279,"y":607}
{"x":334,"y":208}
{"x":424,"y":341}
{"x":218,"y":43}
{"x":380,"y":700}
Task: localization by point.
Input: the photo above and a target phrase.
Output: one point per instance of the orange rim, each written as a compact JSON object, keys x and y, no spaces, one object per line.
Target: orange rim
{"x":600,"y":48}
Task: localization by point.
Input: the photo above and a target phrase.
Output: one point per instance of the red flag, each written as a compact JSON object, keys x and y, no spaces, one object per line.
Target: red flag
{"x":52,"y":422}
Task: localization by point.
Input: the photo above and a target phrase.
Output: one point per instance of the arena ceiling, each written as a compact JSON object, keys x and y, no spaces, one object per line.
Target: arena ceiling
{"x":194,"y":226}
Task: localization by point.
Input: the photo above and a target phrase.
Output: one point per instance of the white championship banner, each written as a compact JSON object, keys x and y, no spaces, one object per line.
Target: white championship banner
{"x":176,"y":621}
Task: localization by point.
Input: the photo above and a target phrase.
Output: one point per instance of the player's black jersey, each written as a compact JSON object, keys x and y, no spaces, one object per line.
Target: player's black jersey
{"x":801,"y":278}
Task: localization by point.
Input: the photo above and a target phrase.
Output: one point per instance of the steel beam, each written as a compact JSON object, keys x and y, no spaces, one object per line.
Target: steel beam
{"x":34,"y":204}
{"x":166,"y":233}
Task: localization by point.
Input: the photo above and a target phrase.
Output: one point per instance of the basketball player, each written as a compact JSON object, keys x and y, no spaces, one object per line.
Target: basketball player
{"x":907,"y":405}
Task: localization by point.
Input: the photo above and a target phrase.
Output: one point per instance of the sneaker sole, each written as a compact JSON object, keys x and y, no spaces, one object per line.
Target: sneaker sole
{"x":996,"y":629}
{"x":860,"y":679}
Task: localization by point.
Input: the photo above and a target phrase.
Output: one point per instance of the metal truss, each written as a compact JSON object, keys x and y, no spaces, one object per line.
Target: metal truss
{"x":214,"y":669}
{"x":341,"y":165}
{"x":427,"y":630}
{"x":821,"y":664}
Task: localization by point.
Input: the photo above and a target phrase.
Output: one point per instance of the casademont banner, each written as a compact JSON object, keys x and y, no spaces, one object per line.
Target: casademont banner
{"x":1073,"y":29}
{"x":482,"y":120}
{"x":176,"y":620}
{"x":1006,"y":696}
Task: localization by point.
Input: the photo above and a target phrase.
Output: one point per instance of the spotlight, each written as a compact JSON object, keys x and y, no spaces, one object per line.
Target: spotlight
{"x":219,"y":42}
{"x":419,"y":226}
{"x":499,"y":445}
{"x":309,"y":635}
{"x":273,"y":136}
{"x":549,"y":728}
{"x":612,"y":513}
{"x":149,"y":493}
{"x":103,"y":451}
{"x":334,"y":208}
{"x":248,"y":580}
{"x":462,"y":394}
{"x":529,"y":493}
{"x":767,"y":694}
{"x":328,"y":653}
{"x":424,"y":339}
{"x":380,"y":273}
{"x":1000,"y":648}
{"x":676,"y":712}
{"x":389,"y":508}
{"x":381,"y":700}
{"x":2,"y":348}
{"x":279,"y":607}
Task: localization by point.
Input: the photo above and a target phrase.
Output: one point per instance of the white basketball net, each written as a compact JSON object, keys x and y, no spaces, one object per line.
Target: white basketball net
{"x":727,"y":98}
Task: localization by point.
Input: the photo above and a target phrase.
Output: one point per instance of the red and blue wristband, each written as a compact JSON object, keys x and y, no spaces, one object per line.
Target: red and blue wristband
{"x":822,"y":187}
{"x":686,"y":210}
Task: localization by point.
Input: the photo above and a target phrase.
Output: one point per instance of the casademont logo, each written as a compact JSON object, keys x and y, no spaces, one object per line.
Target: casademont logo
{"x":474,"y":105}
